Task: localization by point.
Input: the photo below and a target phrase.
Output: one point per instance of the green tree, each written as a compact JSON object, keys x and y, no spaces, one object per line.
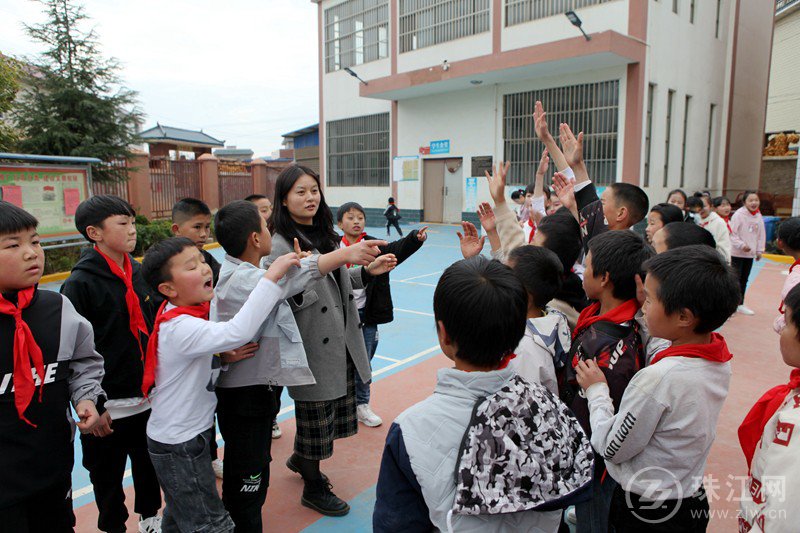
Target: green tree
{"x":79,"y":106}
{"x":9,"y":85}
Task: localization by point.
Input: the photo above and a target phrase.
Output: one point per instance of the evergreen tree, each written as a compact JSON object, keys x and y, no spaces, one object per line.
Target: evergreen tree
{"x":9,"y":85}
{"x":78,"y":107}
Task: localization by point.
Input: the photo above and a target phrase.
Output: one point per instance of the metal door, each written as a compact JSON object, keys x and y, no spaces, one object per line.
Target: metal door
{"x":433,"y":172}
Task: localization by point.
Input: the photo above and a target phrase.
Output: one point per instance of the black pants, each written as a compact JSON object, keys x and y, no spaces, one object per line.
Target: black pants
{"x":245,"y":416}
{"x":105,"y":457}
{"x":743,"y":267}
{"x":47,"y":512}
{"x":395,"y":223}
{"x":689,"y":515}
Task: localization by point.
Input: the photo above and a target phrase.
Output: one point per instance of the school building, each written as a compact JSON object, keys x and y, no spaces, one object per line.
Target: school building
{"x":419,"y":97}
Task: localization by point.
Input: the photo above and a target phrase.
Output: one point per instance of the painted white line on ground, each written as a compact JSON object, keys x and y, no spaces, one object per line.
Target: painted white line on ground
{"x":387,"y":358}
{"x":416,"y":283}
{"x":412,"y":312}
{"x":88,"y":489}
{"x":418,"y":277}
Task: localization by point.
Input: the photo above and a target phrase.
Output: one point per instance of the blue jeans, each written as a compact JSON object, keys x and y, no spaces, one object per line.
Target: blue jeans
{"x":370,"y":332}
{"x":190,"y":486}
{"x":593,"y":515}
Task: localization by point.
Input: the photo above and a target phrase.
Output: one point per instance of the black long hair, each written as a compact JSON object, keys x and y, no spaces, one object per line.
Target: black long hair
{"x":322,"y":237}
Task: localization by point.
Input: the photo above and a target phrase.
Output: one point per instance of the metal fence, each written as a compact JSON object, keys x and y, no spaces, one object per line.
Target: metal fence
{"x":170,"y":181}
{"x":116,"y":188}
{"x":592,"y":108}
{"x":235,"y":181}
{"x":358,"y":151}
{"x":519,"y":11}
{"x":428,"y":22}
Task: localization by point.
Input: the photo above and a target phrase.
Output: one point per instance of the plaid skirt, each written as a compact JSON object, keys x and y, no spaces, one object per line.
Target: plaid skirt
{"x":320,"y":423}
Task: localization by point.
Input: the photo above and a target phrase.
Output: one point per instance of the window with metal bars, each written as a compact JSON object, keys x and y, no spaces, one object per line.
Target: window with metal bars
{"x":519,"y":11}
{"x":425,"y":23}
{"x":358,"y":151}
{"x":592,"y":108}
{"x":685,"y":133}
{"x":708,"y":145}
{"x":648,"y":136}
{"x":668,"y":136}
{"x":356,"y":32}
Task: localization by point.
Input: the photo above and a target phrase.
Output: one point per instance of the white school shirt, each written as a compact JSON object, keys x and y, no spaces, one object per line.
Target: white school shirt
{"x":183,"y":400}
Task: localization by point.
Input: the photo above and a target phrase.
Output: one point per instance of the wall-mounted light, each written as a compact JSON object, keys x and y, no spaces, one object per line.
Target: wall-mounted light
{"x":476,"y":82}
{"x":352,"y":73}
{"x":577,"y":22}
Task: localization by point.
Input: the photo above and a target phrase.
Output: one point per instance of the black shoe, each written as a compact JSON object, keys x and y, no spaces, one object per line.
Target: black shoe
{"x":318,"y":495}
{"x":294,"y":468}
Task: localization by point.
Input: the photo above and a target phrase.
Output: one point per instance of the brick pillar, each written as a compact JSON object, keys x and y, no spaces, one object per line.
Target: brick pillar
{"x":139,"y":192}
{"x":259,"y":170}
{"x":209,"y":180}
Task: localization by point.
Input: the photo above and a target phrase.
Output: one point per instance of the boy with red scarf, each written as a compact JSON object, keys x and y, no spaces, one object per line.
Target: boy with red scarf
{"x":770,"y":439}
{"x":47,"y":360}
{"x":182,"y":366}
{"x":106,"y":287}
{"x":607,"y":332}
{"x":375,"y":301}
{"x":657,"y":443}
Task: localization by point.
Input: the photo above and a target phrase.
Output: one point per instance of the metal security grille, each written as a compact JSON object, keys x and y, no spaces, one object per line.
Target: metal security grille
{"x":428,"y":22}
{"x":519,"y":11}
{"x":356,"y":32}
{"x":592,"y":108}
{"x":358,"y":151}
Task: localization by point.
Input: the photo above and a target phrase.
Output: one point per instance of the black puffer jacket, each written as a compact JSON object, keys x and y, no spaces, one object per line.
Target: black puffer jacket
{"x":379,"y":308}
{"x":99,"y":296}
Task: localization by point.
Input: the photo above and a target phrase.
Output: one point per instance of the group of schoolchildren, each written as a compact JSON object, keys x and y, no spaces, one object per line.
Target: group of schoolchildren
{"x":588,"y":372}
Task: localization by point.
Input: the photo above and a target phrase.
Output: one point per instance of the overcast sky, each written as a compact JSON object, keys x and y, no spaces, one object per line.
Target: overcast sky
{"x":245,"y":71}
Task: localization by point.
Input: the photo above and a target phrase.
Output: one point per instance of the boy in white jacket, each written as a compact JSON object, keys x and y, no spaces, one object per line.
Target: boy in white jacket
{"x":657,"y":444}
{"x":770,"y":439}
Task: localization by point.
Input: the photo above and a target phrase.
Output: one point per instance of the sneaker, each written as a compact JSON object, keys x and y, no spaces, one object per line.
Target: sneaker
{"x":150,"y":525}
{"x":276,"y":430}
{"x":745,"y":310}
{"x":216,"y":464}
{"x":571,"y":516}
{"x":293,"y":467}
{"x":367,"y":417}
{"x":318,"y":495}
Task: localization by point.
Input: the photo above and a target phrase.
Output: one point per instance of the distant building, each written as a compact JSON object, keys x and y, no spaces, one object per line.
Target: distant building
{"x":165,"y":139}
{"x":233,"y":153}
{"x":669,"y":93}
{"x":305,"y":143}
{"x":783,"y":103}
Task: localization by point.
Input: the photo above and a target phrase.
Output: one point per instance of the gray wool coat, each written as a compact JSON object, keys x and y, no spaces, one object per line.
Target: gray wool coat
{"x":327,"y":337}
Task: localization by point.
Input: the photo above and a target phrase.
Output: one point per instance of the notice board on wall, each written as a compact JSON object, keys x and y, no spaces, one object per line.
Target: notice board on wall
{"x":50,"y":193}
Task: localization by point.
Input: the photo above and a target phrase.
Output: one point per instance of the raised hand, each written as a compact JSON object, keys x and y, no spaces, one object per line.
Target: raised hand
{"x":422,"y":234}
{"x":281,"y":266}
{"x":565,"y":190}
{"x":243,"y":352}
{"x":471,"y":244}
{"x":540,"y":122}
{"x":571,"y":146}
{"x":300,"y":253}
{"x":364,"y":252}
{"x":383,"y":264}
{"x":486,"y":216}
{"x":497,"y":182}
{"x":544,"y":164}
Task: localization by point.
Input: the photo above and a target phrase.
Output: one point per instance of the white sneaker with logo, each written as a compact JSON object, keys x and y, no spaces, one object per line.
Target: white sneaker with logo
{"x":745,"y":310}
{"x":150,"y":525}
{"x":276,"y":430}
{"x":216,"y":464}
{"x":367,"y":417}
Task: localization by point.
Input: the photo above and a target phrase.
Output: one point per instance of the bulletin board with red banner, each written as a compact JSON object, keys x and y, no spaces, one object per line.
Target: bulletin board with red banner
{"x":51,"y":193}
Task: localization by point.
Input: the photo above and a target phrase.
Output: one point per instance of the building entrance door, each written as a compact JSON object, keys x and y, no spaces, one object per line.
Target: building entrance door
{"x":442,"y":190}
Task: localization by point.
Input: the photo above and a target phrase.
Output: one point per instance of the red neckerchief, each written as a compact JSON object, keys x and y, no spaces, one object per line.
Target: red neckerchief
{"x":197,"y":311}
{"x":622,"y":313}
{"x":505,"y":361}
{"x":137,"y":324}
{"x":728,"y":223}
{"x":780,"y":307}
{"x":26,"y":353}
{"x":753,"y":213}
{"x":716,"y":350}
{"x":752,"y":427}
{"x":533,"y":230}
{"x":348,"y":243}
